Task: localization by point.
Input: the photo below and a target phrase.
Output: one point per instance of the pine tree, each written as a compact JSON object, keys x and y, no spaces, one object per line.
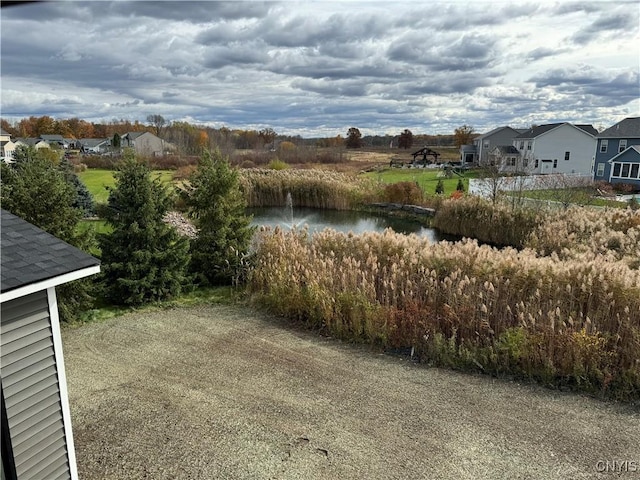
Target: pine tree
{"x":460,"y":185}
{"x":440,"y":187}
{"x":84,"y":200}
{"x":144,"y":259}
{"x":217,"y":206}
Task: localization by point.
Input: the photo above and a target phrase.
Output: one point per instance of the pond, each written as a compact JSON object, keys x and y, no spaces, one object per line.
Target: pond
{"x":340,"y":220}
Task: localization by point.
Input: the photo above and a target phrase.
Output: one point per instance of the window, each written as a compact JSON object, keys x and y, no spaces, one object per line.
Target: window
{"x":536,"y":164}
{"x":604,"y":144}
{"x":600,"y":171}
{"x":485,"y":145}
{"x":626,"y":167}
{"x":616,"y":170}
{"x":555,"y":163}
{"x":635,"y":167}
{"x":622,"y":146}
{"x":528,"y":145}
{"x":511,"y":161}
{"x":525,"y":162}
{"x":567,"y":155}
{"x":522,"y":145}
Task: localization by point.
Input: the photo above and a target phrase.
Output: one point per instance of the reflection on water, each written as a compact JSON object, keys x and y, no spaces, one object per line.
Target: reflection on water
{"x":343,"y":221}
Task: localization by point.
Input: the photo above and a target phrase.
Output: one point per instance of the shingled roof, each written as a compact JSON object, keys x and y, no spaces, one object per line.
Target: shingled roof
{"x":540,"y":129}
{"x":627,"y":128}
{"x":30,"y":255}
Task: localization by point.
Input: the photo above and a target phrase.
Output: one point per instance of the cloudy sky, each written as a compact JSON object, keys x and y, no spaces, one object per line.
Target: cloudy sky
{"x":316,"y":68}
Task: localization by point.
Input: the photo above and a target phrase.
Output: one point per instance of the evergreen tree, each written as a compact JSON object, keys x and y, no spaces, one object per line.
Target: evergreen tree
{"x":440,"y":187}
{"x":84,"y":200}
{"x":144,"y":259}
{"x":217,"y":206}
{"x":460,"y":185}
{"x":36,"y":190}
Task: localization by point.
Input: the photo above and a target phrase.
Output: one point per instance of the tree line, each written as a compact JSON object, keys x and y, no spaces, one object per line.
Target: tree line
{"x":191,"y":139}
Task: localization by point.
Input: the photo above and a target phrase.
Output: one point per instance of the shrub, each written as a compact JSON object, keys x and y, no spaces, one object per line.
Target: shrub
{"x":277,"y":164}
{"x":407,"y":193}
{"x":440,"y":187}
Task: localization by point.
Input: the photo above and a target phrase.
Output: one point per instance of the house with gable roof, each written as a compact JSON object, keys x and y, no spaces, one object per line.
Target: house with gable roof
{"x":478,"y":152}
{"x":617,"y":153}
{"x":57,"y":140}
{"x":556,"y":148}
{"x":37,"y":440}
{"x":146,"y":144}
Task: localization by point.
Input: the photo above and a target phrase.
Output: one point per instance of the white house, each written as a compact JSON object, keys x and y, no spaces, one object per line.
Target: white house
{"x":7,"y":147}
{"x":552,"y":148}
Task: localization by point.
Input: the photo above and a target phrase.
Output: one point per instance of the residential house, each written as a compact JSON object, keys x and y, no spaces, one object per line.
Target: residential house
{"x":507,"y":158}
{"x":146,"y":144}
{"x":55,"y":140}
{"x":7,"y":147}
{"x":95,"y":145}
{"x":616,"y":153}
{"x":37,"y":440}
{"x":555,"y":148}
{"x":478,"y":152}
{"x":37,"y":143}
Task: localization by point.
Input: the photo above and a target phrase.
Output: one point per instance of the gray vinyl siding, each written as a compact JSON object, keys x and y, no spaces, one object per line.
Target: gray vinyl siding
{"x":31,"y":390}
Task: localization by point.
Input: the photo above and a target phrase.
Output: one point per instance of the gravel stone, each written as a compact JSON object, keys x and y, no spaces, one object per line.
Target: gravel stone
{"x":231,"y":393}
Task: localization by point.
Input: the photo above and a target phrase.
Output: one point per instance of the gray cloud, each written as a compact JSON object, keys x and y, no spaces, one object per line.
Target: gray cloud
{"x":306,"y":66}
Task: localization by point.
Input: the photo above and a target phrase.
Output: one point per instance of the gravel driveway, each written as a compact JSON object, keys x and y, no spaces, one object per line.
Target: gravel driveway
{"x":228,"y":392}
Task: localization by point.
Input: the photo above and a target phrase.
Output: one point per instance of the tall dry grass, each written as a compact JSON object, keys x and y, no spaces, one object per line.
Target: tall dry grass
{"x":308,"y":188}
{"x":562,"y":321}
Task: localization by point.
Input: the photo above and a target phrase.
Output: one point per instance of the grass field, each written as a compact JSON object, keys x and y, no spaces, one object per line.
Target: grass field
{"x":427,"y":179}
{"x":98,"y":180}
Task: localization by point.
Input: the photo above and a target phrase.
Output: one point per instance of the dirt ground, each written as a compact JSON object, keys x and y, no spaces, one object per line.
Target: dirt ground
{"x":227,"y":392}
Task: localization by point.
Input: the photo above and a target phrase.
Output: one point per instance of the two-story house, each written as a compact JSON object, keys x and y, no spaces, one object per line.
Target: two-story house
{"x":617,"y":154}
{"x":555,"y":148}
{"x":146,"y":144}
{"x":478,"y":152}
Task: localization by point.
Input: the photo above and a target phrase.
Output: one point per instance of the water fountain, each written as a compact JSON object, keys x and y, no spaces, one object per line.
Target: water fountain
{"x":289,"y":207}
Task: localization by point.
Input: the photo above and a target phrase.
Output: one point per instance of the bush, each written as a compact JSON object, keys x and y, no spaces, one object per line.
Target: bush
{"x":440,"y":187}
{"x":277,"y":164}
{"x":406,"y":193}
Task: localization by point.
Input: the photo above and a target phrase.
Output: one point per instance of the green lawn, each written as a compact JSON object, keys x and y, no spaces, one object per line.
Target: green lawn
{"x":98,"y":180}
{"x":426,"y":178}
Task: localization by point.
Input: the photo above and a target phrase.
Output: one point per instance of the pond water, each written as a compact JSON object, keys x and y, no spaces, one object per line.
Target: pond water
{"x":343,"y":221}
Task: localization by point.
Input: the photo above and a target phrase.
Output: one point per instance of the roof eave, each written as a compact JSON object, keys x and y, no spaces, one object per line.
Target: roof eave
{"x":48,"y":283}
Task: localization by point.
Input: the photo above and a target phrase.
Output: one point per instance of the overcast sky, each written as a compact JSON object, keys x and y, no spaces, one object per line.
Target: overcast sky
{"x":316,"y":68}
